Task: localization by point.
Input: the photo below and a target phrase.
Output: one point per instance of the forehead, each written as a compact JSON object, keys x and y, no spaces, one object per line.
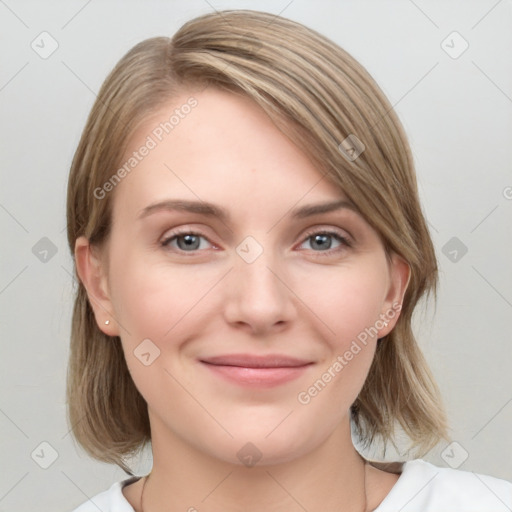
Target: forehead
{"x":221,"y":147}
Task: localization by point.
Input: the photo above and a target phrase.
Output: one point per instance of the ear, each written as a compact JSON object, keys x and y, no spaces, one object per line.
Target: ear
{"x":400,"y":275}
{"x":92,"y":272}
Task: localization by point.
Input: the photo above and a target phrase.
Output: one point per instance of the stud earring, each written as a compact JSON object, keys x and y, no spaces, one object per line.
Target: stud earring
{"x":107,"y":322}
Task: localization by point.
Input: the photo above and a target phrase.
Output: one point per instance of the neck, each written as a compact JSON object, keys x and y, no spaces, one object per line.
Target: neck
{"x":331,"y":477}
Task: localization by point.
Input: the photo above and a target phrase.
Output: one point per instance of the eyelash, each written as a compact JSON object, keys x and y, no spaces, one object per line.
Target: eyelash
{"x":345,"y":243}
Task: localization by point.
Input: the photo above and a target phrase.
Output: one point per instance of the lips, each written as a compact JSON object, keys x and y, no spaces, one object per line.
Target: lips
{"x":254,"y":361}
{"x":255,"y":370}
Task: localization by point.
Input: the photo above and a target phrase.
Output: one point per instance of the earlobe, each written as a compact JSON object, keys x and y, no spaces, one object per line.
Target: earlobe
{"x":400,"y":276}
{"x":92,"y":273}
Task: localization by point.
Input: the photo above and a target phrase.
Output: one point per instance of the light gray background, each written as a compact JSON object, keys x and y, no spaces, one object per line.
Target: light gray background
{"x":456,"y":111}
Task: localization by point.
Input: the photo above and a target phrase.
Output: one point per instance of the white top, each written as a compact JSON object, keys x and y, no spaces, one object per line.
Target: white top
{"x":421,"y":487}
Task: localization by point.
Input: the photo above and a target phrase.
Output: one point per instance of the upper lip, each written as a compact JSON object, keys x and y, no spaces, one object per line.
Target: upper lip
{"x":256,"y":361}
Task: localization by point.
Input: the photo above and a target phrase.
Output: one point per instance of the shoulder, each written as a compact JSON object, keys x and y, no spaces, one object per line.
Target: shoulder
{"x":111,"y":500}
{"x":424,"y":487}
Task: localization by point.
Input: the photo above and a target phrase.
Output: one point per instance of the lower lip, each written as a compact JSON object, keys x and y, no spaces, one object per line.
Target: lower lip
{"x":257,"y":377}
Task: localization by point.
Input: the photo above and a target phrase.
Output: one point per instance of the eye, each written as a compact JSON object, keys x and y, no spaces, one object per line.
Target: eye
{"x":322,"y":241}
{"x":191,"y":241}
{"x":185,"y":241}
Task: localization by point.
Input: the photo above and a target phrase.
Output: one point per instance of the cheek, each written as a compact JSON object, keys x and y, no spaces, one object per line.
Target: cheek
{"x":347,"y":299}
{"x":156,"y":306}
{"x":348,"y":304}
{"x":163,"y":309}
{"x":152,"y":297}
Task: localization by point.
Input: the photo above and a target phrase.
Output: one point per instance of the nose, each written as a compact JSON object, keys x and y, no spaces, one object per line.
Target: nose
{"x":258,"y":298}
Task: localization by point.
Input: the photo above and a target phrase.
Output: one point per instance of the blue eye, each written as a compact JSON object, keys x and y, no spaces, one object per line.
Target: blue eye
{"x":323,"y":241}
{"x":320,"y":241}
{"x":187,"y":241}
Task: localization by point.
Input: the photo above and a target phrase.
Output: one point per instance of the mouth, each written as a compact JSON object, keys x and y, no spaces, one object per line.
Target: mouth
{"x":256,"y":371}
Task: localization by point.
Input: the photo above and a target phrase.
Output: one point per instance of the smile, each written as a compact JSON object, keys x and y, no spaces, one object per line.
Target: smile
{"x":256,"y":371}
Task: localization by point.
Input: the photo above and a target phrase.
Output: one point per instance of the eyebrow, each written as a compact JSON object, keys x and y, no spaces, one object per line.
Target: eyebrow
{"x":212,"y":210}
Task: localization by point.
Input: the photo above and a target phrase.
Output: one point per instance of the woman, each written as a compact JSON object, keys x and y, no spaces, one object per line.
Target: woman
{"x":250,"y":248}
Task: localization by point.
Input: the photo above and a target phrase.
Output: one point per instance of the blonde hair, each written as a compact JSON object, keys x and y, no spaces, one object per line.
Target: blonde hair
{"x":318,"y":95}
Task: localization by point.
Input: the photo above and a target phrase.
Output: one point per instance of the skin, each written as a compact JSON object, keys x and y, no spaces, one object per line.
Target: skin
{"x":297,"y":298}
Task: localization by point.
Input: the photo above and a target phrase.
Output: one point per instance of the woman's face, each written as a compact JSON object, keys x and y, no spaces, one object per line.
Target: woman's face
{"x":245,"y":316}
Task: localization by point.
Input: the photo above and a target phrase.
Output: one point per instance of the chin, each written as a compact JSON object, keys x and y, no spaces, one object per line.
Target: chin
{"x":259,"y":453}
{"x":255,"y":446}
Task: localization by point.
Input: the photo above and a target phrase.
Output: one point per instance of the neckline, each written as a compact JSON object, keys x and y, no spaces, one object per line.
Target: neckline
{"x":395,"y":467}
